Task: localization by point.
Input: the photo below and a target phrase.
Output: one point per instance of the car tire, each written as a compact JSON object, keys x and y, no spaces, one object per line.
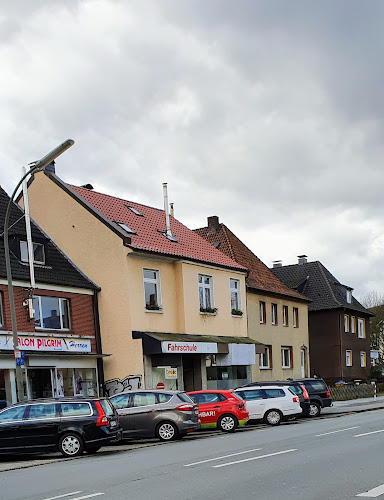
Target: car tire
{"x":92,"y":449}
{"x":167,"y":431}
{"x":273,"y":417}
{"x":71,"y":444}
{"x":227,"y":423}
{"x":315,"y":410}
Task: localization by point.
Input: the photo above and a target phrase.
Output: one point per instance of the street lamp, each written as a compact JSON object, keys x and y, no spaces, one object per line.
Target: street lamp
{"x":36,"y":167}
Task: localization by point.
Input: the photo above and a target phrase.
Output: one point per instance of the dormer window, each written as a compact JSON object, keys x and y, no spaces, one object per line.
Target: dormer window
{"x":348,"y":295}
{"x":124,"y":226}
{"x":38,"y":253}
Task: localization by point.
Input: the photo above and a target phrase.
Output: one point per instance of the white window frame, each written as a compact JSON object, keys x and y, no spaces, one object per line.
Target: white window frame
{"x":236,"y":291}
{"x":60,"y":299}
{"x":348,"y":358}
{"x":295,"y":320}
{"x":265,"y":356}
{"x":42,"y":262}
{"x":346,"y":323}
{"x":360,"y":328}
{"x":262,"y":312}
{"x":348,"y":295}
{"x":274,"y":317}
{"x":353,"y":324}
{"x":363,"y":359}
{"x":155,"y":281}
{"x":285,"y":316}
{"x":205,"y":286}
{"x":283,"y":364}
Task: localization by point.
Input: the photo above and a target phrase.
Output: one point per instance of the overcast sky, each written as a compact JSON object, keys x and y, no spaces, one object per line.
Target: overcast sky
{"x":266,"y":113}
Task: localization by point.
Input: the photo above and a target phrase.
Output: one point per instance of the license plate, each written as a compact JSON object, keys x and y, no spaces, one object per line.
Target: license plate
{"x":113,"y":423}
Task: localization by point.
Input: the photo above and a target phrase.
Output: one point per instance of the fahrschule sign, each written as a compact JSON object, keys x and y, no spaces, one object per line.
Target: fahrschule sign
{"x":189,"y":347}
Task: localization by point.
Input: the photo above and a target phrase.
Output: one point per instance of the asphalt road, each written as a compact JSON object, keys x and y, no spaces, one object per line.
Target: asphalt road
{"x":337,"y":458}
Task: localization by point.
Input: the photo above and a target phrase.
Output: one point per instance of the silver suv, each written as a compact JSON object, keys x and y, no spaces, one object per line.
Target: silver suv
{"x":165,"y":414}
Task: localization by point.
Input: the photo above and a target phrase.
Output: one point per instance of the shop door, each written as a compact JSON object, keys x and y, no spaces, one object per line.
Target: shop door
{"x":188,"y":373}
{"x":40,"y":383}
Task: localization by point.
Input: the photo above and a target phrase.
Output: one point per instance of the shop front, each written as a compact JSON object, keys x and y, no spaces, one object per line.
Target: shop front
{"x":52,"y":367}
{"x":196,"y":362}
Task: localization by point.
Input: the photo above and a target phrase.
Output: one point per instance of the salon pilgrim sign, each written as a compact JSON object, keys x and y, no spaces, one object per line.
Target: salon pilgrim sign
{"x":29,"y":343}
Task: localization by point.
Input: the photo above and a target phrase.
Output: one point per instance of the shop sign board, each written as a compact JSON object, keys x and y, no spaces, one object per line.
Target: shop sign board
{"x":170,"y":373}
{"x":189,"y":347}
{"x":61,"y":344}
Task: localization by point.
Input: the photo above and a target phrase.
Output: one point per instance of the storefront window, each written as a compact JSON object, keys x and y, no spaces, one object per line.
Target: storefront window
{"x":227,"y":377}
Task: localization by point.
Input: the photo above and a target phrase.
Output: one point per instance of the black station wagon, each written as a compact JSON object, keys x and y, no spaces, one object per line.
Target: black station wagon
{"x":68,"y":425}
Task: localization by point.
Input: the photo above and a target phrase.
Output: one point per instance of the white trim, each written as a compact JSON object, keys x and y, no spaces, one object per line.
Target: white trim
{"x":360,"y":321}
{"x":365,"y":359}
{"x":348,"y":352}
{"x":205,"y":286}
{"x":289,"y":349}
{"x":237,"y":292}
{"x":156,"y":281}
{"x":54,"y":288}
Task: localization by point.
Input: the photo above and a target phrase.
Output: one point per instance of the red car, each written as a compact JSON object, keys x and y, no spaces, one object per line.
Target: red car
{"x":222,"y":409}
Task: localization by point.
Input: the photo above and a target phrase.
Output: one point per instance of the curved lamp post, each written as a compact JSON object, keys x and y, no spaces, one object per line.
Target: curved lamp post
{"x":36,"y":167}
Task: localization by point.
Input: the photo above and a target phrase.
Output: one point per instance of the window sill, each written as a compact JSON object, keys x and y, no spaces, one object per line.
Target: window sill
{"x":156,"y":311}
{"x":286,"y":367}
{"x":207,"y":314}
{"x":265,"y":367}
{"x":52,"y":330}
{"x":236,"y":316}
{"x":263,"y":322}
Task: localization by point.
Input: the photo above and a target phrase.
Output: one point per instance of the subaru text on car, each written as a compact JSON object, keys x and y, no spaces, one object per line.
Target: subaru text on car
{"x":222,"y":409}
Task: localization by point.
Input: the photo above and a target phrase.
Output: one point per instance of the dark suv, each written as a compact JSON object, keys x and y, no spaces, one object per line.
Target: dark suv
{"x":319,"y":395}
{"x":296,"y":387}
{"x":70,"y":425}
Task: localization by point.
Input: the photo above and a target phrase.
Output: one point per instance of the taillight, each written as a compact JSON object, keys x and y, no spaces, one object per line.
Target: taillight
{"x":305,"y":392}
{"x":185,"y":407}
{"x":240,"y":406}
{"x":328,"y":395}
{"x":101,"y":418}
{"x":295,"y":400}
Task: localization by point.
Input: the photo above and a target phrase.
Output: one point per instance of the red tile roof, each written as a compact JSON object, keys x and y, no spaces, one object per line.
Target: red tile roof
{"x":260,"y":276}
{"x":148,"y":238}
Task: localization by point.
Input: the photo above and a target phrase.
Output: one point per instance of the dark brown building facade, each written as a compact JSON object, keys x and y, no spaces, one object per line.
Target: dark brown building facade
{"x":339,"y":340}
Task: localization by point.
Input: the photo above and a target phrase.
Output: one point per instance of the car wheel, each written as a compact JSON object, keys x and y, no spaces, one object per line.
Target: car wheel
{"x":92,"y":449}
{"x":167,"y":431}
{"x":315,"y":410}
{"x":273,"y":417}
{"x":71,"y":445}
{"x":227,"y":423}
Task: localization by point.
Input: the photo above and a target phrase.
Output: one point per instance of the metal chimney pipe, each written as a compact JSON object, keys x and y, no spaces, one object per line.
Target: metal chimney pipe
{"x":166,"y":209}
{"x":172,"y":209}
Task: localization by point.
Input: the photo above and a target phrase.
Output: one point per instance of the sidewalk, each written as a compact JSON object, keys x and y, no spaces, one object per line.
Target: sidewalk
{"x":354,"y":405}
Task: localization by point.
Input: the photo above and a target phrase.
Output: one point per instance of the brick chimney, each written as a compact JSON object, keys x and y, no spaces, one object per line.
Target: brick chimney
{"x":302,"y":259}
{"x":213,"y":224}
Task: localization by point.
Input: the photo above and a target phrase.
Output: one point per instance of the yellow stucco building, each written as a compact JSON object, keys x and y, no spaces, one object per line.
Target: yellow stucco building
{"x":165,"y":305}
{"x":277,"y":315}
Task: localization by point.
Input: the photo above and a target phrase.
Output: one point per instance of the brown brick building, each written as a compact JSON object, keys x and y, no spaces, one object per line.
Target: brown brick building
{"x":57,"y":328}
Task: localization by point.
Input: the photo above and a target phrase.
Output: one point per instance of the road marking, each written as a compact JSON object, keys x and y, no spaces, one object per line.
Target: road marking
{"x":88,"y":496}
{"x":65,"y":495}
{"x":374,"y":493}
{"x":368,"y":433}
{"x":254,"y":458}
{"x":334,"y":432}
{"x":220,"y":458}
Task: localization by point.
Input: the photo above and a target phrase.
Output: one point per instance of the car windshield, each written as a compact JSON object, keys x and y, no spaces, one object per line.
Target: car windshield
{"x":184,"y":397}
{"x":107,"y":407}
{"x":316,"y":385}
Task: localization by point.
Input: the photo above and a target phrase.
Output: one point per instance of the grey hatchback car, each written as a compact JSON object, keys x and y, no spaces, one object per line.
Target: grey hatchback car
{"x":166,"y":415}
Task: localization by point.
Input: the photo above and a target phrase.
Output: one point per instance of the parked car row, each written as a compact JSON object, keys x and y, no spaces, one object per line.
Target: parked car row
{"x":75,"y":425}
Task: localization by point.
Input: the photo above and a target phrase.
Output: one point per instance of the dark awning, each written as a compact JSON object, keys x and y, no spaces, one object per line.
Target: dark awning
{"x":152,"y":341}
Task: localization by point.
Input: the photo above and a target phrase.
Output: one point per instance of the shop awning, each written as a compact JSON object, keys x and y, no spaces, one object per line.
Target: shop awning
{"x":155,"y":342}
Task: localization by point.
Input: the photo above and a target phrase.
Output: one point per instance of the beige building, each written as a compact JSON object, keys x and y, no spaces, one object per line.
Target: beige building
{"x":165,"y":300}
{"x":277,"y":315}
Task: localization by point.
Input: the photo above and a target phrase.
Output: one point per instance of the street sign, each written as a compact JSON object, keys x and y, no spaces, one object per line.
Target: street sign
{"x":160,"y":385}
{"x":19,"y":354}
{"x":19,"y":362}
